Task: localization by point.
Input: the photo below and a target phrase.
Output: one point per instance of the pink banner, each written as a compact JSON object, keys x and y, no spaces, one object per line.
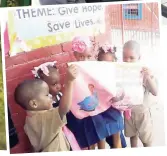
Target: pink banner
{"x":96,"y":85}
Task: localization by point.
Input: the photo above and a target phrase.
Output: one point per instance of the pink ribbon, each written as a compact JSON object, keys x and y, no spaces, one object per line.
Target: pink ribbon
{"x":107,"y":48}
{"x":44,"y":68}
{"x":125,"y":106}
{"x":80,"y":44}
{"x":127,"y":114}
{"x":71,"y":138}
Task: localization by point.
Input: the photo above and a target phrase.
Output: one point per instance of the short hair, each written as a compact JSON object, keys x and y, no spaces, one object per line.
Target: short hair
{"x":132,"y":45}
{"x":26,"y":91}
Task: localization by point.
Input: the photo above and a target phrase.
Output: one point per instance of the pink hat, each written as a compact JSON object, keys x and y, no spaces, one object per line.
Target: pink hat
{"x":80,"y":44}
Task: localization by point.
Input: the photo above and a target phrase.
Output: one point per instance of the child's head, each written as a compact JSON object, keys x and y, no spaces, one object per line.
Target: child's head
{"x":49,"y":73}
{"x":33,"y":95}
{"x":131,"y":51}
{"x":106,"y":53}
{"x":82,"y":47}
{"x":91,"y":87}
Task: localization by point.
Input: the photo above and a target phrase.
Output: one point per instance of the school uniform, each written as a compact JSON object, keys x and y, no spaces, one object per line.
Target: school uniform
{"x":44,"y":130}
{"x":92,"y":129}
{"x":57,"y":102}
{"x":141,"y":124}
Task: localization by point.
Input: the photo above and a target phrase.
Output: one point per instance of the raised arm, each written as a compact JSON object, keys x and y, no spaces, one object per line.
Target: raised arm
{"x":151,"y":85}
{"x":66,"y":100}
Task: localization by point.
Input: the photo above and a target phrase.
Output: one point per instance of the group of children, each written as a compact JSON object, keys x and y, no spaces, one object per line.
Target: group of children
{"x":48,"y":110}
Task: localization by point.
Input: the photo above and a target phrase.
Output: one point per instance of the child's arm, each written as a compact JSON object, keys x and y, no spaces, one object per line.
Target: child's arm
{"x":151,"y":85}
{"x":66,"y":100}
{"x":149,"y":81}
{"x":117,"y":98}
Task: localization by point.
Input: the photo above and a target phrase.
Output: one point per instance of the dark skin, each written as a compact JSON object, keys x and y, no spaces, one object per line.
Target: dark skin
{"x":33,"y":95}
{"x":107,"y":57}
{"x":42,"y":100}
{"x":53,"y":81}
{"x":85,"y":56}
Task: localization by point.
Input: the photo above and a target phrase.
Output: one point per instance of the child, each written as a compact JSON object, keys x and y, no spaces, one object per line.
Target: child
{"x":49,"y":73}
{"x":107,"y":53}
{"x":92,"y":129}
{"x":140,"y":124}
{"x":44,"y":124}
{"x":82,"y":48}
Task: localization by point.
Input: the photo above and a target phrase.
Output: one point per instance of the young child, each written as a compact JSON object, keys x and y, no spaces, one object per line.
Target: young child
{"x":107,"y":53}
{"x":44,"y":124}
{"x":49,"y":73}
{"x":140,"y":125}
{"x":92,"y":129}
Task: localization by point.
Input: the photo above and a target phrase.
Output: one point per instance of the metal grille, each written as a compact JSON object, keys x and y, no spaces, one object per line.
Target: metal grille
{"x":144,"y":30}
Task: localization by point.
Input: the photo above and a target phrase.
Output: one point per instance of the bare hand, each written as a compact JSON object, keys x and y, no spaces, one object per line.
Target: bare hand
{"x":72,"y":73}
{"x":117,"y":98}
{"x":146,"y":73}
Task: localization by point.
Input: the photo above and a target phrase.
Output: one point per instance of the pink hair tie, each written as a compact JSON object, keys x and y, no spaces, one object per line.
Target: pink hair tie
{"x":107,"y":48}
{"x":44,"y":68}
{"x":80,"y":44}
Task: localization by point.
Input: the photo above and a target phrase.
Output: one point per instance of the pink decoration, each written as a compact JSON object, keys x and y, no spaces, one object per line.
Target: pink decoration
{"x":71,"y":138}
{"x":80,"y":44}
{"x":44,"y":68}
{"x":107,"y":48}
{"x":6,"y":41}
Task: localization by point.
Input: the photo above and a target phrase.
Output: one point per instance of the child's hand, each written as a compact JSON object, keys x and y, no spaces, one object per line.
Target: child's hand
{"x":117,"y":98}
{"x":146,"y":73}
{"x":72,"y":73}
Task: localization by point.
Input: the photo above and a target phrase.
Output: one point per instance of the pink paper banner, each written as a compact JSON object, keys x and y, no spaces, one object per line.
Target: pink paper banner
{"x":96,"y":85}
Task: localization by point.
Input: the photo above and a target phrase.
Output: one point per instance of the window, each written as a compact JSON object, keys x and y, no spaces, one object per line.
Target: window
{"x":132,"y":11}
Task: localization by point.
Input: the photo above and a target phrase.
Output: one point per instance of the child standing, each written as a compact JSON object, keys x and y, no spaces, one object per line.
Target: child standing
{"x":44,"y":124}
{"x":92,"y":129}
{"x":107,"y":53}
{"x":140,"y":125}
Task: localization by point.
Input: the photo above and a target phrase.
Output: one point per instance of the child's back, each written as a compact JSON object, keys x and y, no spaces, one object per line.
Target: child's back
{"x":44,"y":129}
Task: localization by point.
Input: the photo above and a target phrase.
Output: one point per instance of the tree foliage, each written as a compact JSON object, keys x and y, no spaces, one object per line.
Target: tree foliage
{"x":2,"y":111}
